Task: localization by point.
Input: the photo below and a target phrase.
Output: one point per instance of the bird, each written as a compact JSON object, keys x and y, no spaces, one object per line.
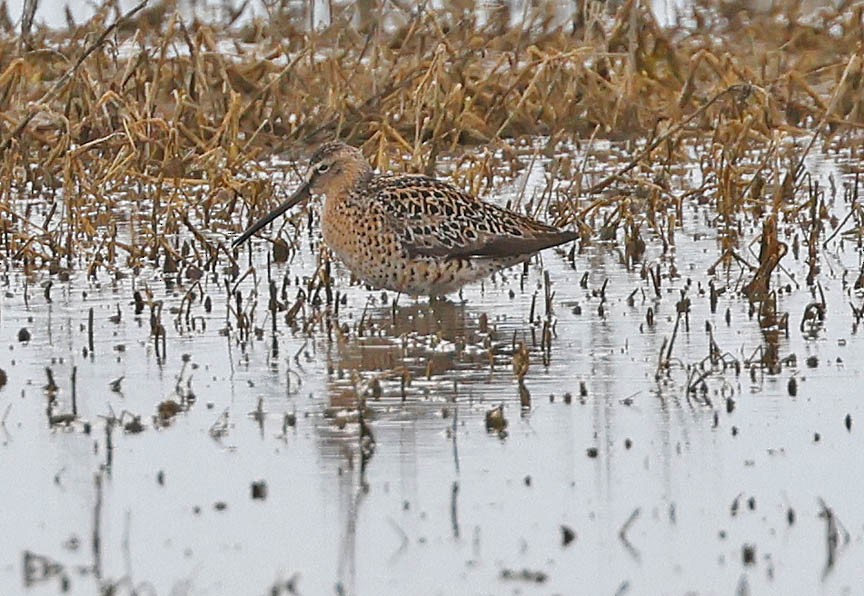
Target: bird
{"x":410,"y":233}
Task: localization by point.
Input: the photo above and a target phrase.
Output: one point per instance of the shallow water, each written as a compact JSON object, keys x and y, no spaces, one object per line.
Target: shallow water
{"x":666,"y":492}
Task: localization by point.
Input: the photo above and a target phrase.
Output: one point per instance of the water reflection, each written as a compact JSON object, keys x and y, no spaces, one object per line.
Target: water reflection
{"x":412,"y":351}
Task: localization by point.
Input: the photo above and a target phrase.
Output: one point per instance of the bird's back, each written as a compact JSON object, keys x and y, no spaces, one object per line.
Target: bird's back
{"x":435,"y":219}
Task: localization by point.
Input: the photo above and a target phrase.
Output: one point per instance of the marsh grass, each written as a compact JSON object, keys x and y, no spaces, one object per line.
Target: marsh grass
{"x":162,"y":128}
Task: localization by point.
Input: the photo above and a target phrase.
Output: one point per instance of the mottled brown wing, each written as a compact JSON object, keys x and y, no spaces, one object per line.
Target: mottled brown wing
{"x":503,"y":246}
{"x":434,"y":219}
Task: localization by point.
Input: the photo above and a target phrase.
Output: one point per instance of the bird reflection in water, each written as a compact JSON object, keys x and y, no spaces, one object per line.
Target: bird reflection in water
{"x":394,"y":373}
{"x":409,"y":351}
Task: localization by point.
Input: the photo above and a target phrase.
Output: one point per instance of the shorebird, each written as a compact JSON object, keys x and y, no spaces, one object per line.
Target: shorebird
{"x":409,"y":233}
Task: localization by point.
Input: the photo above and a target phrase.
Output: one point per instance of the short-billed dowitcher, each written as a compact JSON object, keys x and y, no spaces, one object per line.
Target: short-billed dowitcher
{"x":409,"y":233}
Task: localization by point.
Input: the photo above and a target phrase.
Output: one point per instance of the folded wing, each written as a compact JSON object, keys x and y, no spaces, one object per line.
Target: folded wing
{"x":434,"y":219}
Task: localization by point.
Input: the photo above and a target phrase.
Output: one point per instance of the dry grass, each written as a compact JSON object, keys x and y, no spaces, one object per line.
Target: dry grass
{"x":163,"y":128}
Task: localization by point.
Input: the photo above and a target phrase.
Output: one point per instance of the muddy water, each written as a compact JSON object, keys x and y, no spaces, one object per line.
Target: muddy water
{"x":717,"y":491}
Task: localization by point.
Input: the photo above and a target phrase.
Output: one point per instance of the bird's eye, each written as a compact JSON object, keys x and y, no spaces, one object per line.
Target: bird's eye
{"x":323,"y":168}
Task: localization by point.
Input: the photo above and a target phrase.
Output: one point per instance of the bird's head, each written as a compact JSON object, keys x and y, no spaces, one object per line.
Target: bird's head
{"x":333,"y":167}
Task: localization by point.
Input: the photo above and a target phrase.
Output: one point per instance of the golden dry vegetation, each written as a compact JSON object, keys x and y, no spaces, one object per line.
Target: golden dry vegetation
{"x":152,"y":125}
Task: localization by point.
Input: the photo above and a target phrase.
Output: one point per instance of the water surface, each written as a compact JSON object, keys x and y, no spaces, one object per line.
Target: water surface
{"x":718,"y":491}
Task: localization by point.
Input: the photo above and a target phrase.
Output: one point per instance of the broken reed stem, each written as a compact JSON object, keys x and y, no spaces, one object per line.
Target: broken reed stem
{"x":454,"y":511}
{"x":75,"y":391}
{"x":96,"y":537}
{"x":853,"y":208}
{"x":90,"y":331}
{"x":28,"y":11}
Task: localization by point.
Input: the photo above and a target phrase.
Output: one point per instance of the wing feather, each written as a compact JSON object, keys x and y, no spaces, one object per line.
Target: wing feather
{"x":435,"y":219}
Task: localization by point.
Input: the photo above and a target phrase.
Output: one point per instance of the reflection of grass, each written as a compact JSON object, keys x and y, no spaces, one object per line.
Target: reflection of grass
{"x":166,"y":118}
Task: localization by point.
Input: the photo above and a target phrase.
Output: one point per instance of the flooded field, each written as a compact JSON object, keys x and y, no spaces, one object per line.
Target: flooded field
{"x":668,"y":404}
{"x":209,"y":463}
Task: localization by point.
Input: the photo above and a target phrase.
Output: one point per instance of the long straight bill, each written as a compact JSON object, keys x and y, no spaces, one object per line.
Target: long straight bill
{"x":299,"y":194}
